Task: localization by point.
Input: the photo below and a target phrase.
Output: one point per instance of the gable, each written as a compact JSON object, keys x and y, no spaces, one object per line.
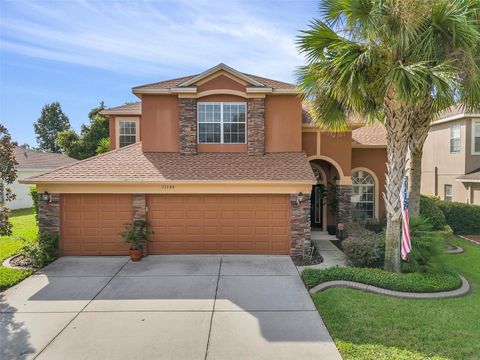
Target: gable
{"x":220,"y":80}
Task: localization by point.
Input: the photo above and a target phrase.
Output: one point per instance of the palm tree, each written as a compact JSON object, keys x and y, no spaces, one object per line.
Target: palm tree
{"x":383,"y":60}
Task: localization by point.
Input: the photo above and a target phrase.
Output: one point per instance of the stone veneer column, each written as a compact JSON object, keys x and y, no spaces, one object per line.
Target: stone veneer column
{"x":49,"y":215}
{"x":139,"y":206}
{"x":344,"y":201}
{"x":188,"y":126}
{"x":256,"y":126}
{"x":299,"y":224}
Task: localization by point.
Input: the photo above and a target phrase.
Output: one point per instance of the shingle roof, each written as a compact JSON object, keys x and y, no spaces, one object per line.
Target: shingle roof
{"x":372,"y":135}
{"x":31,"y":159}
{"x":131,"y":165}
{"x":471,"y":176}
{"x":134,"y":108}
{"x":167,"y":84}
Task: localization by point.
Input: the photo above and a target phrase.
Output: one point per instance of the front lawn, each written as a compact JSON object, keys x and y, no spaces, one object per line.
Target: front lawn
{"x":24,"y":226}
{"x":367,"y":326}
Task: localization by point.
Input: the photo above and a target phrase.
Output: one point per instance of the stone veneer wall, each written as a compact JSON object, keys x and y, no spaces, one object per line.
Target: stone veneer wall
{"x":299,"y":224}
{"x":188,"y":126}
{"x":256,"y":126}
{"x":49,"y":215}
{"x":344,"y":201}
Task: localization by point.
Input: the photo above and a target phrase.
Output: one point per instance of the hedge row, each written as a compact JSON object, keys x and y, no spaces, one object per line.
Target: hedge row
{"x":411,"y":282}
{"x":462,"y":218}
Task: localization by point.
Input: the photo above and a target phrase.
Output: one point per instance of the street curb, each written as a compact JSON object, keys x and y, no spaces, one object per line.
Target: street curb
{"x":461,"y":291}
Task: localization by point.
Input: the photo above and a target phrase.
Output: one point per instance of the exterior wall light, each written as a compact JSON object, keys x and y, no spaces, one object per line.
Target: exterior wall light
{"x":300,"y":197}
{"x":45,"y":196}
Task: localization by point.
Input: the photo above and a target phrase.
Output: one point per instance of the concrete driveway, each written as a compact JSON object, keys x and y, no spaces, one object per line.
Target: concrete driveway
{"x":164,"y":307}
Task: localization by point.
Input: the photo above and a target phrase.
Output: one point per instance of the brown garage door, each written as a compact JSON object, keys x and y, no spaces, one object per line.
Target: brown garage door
{"x":90,"y":223}
{"x":219,"y":224}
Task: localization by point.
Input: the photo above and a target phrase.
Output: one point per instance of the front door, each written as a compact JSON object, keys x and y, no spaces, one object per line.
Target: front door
{"x":316,"y":209}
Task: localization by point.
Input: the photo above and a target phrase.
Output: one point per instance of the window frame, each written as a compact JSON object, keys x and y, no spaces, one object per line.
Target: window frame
{"x":221,"y":103}
{"x":475,"y":123}
{"x":375,"y":194}
{"x":452,"y":138}
{"x":445,"y":192}
{"x":117,"y":129}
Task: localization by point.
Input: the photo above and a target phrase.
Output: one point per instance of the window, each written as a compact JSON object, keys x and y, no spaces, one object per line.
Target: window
{"x":448,"y":194}
{"x":363,"y":197}
{"x":454,"y":138}
{"x":127,"y":132}
{"x":221,"y":123}
{"x":475,"y":137}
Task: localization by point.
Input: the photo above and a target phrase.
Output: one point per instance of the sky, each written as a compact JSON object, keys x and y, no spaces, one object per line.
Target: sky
{"x":82,"y":52}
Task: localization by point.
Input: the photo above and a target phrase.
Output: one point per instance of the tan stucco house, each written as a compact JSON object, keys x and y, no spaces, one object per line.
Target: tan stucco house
{"x":218,"y":162}
{"x":451,"y":157}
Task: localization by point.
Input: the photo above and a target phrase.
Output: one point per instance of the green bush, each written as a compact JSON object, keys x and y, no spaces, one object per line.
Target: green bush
{"x":361,"y":247}
{"x":462,"y":218}
{"x":34,"y":195}
{"x":377,"y":226}
{"x":428,"y":248}
{"x":429,"y":209}
{"x":43,"y":251}
{"x":411,"y":282}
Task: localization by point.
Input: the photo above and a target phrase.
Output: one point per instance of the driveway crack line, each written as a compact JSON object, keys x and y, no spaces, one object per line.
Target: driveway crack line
{"x":81,"y":310}
{"x":213,"y":310}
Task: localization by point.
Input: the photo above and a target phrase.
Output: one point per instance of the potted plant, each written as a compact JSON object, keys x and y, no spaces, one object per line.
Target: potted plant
{"x":136,"y":234}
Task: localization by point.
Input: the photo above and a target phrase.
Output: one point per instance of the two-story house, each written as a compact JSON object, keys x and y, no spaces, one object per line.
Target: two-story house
{"x":451,"y":157}
{"x":219,"y":162}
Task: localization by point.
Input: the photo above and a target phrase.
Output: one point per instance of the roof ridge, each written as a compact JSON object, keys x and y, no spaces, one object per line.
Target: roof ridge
{"x":159,"y":82}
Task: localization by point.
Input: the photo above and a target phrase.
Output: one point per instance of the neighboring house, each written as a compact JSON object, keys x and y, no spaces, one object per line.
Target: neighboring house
{"x":31,"y":163}
{"x":451,"y":157}
{"x":219,"y":162}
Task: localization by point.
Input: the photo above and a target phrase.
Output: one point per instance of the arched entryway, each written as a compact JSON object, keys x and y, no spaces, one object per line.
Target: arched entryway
{"x":323,"y":197}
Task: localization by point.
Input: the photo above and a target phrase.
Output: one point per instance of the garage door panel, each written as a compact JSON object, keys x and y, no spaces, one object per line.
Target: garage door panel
{"x":91,"y":223}
{"x":219,"y":224}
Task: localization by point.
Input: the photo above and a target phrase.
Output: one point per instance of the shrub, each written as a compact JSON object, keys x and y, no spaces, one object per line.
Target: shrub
{"x":377,"y":226}
{"x":361,"y":247}
{"x":462,"y":218}
{"x":34,"y":195}
{"x":136,"y":234}
{"x":430,"y":209}
{"x":428,"y":248}
{"x":42,"y":252}
{"x":412,"y":282}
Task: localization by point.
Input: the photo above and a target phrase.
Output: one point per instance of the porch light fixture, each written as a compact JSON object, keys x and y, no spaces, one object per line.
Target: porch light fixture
{"x":300,"y":197}
{"x":45,"y":196}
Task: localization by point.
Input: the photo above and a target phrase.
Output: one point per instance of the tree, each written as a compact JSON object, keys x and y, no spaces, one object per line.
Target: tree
{"x":383,"y":60}
{"x":51,"y":121}
{"x":8,"y":174}
{"x":85,"y":145}
{"x":103,"y":146}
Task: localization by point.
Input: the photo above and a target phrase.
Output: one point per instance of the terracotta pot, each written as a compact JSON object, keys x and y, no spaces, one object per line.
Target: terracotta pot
{"x":135,"y":255}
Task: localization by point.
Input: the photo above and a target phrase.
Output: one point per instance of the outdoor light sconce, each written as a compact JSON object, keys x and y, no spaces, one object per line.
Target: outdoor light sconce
{"x":45,"y":196}
{"x":300,"y":197}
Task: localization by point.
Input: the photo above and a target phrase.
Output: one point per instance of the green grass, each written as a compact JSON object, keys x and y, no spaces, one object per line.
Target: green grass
{"x":24,"y":226}
{"x":367,"y":326}
{"x":412,"y":282}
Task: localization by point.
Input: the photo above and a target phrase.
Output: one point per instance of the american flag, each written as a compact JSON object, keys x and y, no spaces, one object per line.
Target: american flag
{"x":406,"y":244}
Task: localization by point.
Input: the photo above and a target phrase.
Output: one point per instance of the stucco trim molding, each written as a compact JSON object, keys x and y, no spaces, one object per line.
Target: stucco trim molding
{"x":344,"y":180}
{"x":219,"y":67}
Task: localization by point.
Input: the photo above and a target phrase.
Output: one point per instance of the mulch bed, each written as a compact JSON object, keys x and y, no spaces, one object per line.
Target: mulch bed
{"x":316,"y":259}
{"x":475,"y":238}
{"x":20,"y":261}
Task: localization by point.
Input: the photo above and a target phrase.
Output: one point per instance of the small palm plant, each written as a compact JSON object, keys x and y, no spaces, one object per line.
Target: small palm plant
{"x":136,"y":234}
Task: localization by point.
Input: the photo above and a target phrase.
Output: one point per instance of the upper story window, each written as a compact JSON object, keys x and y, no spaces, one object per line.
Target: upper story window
{"x":221,"y":123}
{"x":454,"y":138}
{"x":363,"y":197}
{"x":448,"y":192}
{"x":127,"y":130}
{"x":476,"y":137}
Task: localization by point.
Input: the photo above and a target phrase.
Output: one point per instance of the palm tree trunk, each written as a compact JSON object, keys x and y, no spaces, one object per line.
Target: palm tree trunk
{"x":397,"y":123}
{"x":418,"y":135}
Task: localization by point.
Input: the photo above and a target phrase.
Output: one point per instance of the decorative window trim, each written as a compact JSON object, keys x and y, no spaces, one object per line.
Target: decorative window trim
{"x":376,"y":189}
{"x":475,"y":123}
{"x":445,"y":192}
{"x":452,"y":138}
{"x":117,"y":129}
{"x":222,"y":103}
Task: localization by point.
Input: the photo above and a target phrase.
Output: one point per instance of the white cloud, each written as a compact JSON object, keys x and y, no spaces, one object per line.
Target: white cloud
{"x":151,"y":38}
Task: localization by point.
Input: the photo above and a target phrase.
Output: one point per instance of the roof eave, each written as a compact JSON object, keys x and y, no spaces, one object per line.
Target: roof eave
{"x":216,"y":68}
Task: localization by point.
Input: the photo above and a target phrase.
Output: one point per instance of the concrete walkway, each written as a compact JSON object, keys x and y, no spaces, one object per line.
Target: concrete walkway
{"x":168,"y":307}
{"x":332,"y":256}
